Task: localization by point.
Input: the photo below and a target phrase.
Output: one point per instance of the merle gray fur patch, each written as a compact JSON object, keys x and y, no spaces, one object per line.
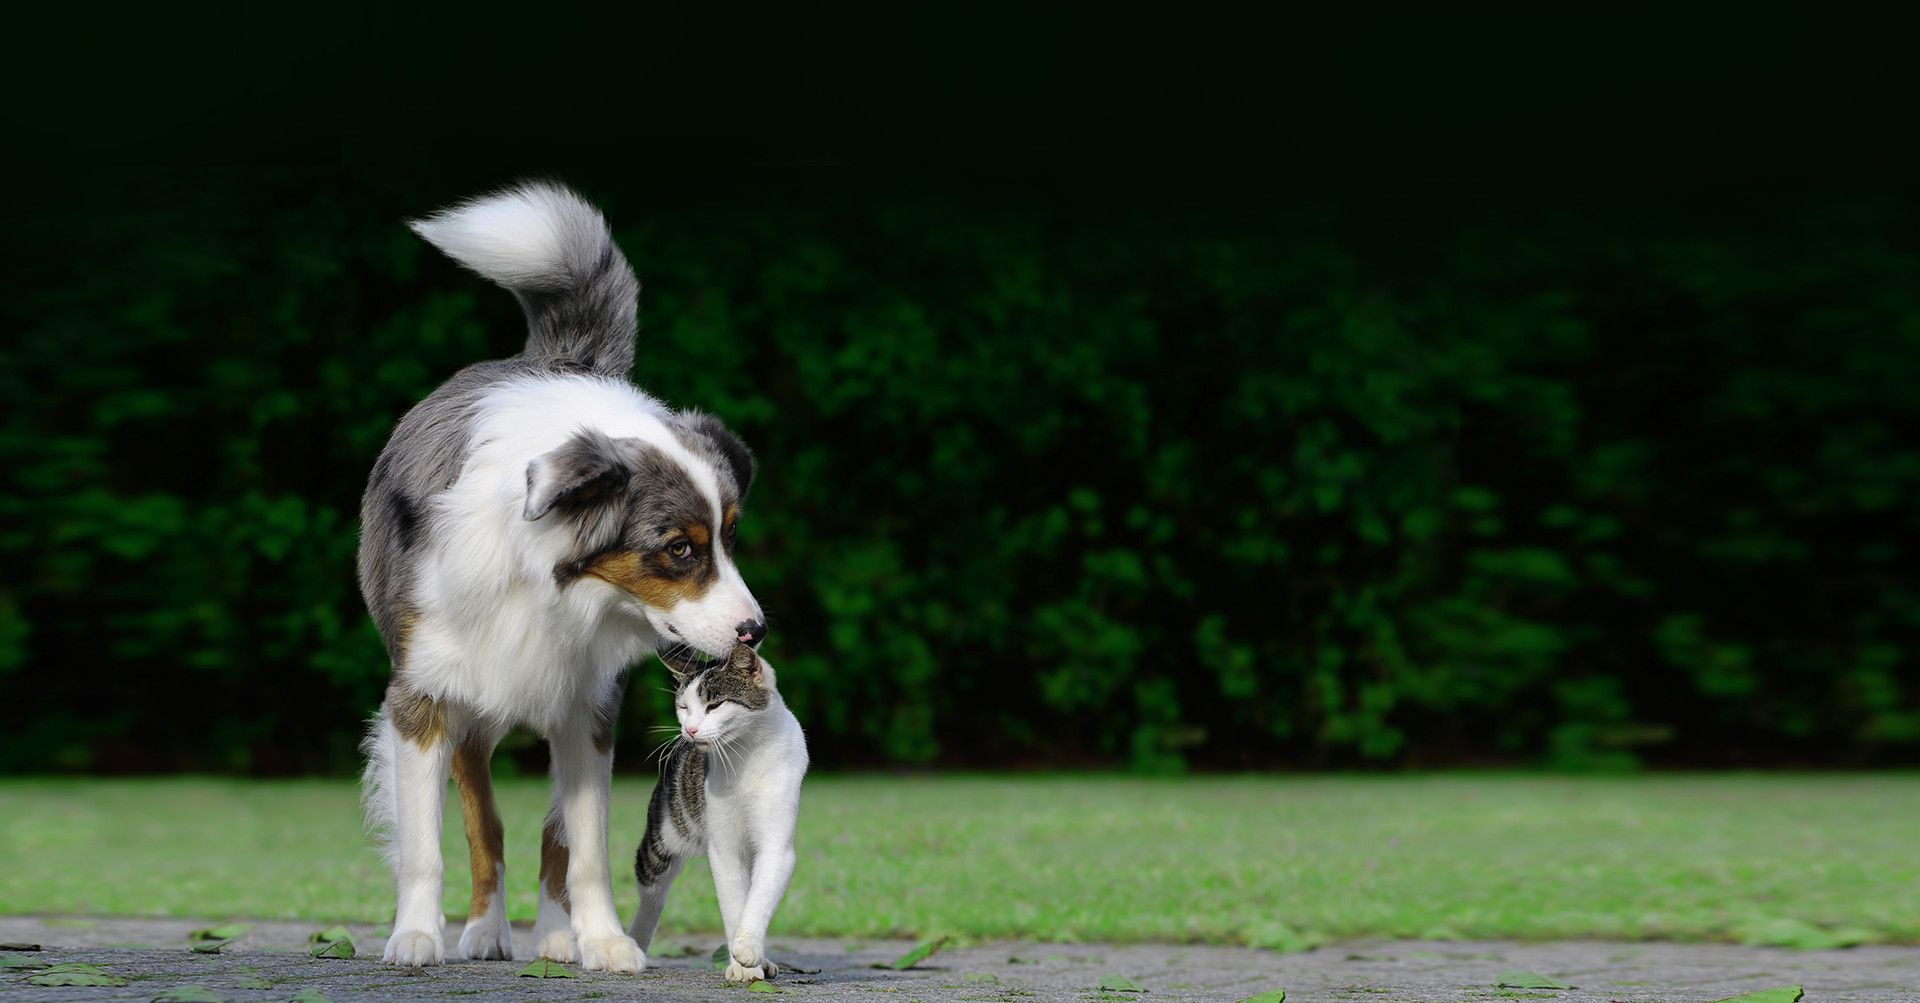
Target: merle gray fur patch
{"x":706,"y":436}
{"x":585,"y":470}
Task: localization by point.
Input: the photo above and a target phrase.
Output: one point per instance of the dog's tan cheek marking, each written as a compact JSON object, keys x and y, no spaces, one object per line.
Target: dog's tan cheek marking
{"x":553,"y":864}
{"x":629,"y":570}
{"x":418,"y":718}
{"x":486,"y":837}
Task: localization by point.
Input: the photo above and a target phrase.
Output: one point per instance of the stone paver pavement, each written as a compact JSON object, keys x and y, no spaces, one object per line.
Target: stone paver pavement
{"x":153,"y":955}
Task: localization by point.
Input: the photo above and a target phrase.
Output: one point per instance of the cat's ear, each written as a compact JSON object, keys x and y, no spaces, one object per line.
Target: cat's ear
{"x":682,"y":661}
{"x":745,"y":659}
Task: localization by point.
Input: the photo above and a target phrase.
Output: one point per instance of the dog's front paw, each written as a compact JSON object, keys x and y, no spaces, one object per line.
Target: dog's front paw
{"x":555,"y":944}
{"x":612,"y":953}
{"x":414,"y":948}
{"x":487,"y":939}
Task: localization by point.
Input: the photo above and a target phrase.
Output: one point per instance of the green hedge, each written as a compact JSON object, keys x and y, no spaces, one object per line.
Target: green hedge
{"x":1043,"y":482}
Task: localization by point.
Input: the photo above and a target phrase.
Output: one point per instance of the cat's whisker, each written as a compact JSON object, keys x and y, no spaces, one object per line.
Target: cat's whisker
{"x":660,"y":750}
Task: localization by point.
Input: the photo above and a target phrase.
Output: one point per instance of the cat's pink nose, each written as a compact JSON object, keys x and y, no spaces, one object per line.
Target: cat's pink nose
{"x":692,"y":731}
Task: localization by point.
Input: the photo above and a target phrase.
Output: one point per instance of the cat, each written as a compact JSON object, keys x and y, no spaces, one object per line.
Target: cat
{"x":730,"y":788}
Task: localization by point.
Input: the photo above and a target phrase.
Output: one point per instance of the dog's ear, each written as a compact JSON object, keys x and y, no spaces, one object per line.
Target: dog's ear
{"x":703,"y":433}
{"x":588,"y":469}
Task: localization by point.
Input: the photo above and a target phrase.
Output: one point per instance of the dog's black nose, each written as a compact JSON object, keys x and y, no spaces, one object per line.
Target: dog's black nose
{"x":751,"y":631}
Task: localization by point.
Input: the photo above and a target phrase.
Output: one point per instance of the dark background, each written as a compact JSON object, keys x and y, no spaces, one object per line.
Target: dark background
{"x":1157,"y":393}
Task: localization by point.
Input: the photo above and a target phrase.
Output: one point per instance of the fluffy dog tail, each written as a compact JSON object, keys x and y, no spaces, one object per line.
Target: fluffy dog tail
{"x":556,"y":254}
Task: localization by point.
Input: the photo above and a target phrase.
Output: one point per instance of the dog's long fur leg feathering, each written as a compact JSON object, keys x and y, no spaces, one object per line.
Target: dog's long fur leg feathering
{"x":532,"y":530}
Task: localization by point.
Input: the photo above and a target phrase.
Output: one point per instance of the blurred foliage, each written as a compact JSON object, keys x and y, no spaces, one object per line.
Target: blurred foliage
{"x":1062,"y":482}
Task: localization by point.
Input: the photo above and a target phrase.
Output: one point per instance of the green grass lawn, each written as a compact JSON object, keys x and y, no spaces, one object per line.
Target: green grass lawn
{"x":1790,"y":859}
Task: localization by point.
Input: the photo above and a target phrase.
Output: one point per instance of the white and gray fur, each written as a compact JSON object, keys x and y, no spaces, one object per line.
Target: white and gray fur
{"x":521,"y":539}
{"x":730,"y":789}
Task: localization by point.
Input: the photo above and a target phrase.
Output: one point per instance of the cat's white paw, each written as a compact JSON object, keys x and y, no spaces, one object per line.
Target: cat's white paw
{"x":762,"y":972}
{"x":615,"y":952}
{"x":487,"y":939}
{"x":414,"y":948}
{"x":748,"y":962}
{"x":555,"y":944}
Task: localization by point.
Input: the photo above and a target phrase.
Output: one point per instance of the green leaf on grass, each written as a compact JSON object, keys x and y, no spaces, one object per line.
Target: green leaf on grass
{"x":331,"y":933}
{"x":1118,"y":984}
{"x":14,"y":962}
{"x":980,"y":977}
{"x":921,"y":952}
{"x":333,"y":949}
{"x":79,"y":967}
{"x":1270,"y":996}
{"x":254,"y":982}
{"x":231,"y":931}
{"x":310,"y":996}
{"x":76,"y":979}
{"x":190,"y":994}
{"x":209,"y":946}
{"x":1778,"y":994}
{"x":1527,"y":980}
{"x":761,"y":986}
{"x":545,"y":968}
{"x":720,"y":958}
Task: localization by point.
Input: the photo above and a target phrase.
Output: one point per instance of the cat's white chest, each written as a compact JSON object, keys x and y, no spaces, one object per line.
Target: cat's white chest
{"x":761,"y":789}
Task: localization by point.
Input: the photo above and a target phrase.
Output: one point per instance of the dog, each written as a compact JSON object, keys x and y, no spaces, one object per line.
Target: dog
{"x":532,"y":528}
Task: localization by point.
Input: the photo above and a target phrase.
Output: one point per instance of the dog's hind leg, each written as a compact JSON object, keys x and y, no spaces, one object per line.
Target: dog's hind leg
{"x":553,"y":929}
{"x":411,"y":745}
{"x":487,"y":935}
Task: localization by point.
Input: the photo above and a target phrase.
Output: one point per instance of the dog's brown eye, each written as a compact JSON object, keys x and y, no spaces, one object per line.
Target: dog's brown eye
{"x":680,"y":549}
